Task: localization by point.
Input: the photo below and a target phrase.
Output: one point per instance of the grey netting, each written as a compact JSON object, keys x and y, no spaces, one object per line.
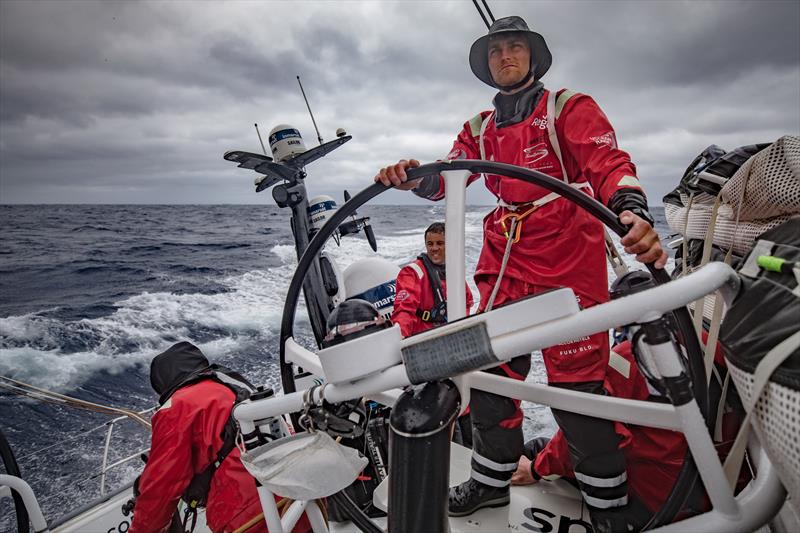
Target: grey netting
{"x":770,"y":181}
{"x":727,"y":233}
{"x":776,"y":421}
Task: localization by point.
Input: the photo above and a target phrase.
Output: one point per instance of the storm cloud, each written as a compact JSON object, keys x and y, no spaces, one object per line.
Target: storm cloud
{"x":135,"y":102}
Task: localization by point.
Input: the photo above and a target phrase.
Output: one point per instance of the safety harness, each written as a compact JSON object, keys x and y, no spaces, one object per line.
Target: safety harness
{"x":437,"y":314}
{"x":196,"y":494}
{"x":512,"y":221}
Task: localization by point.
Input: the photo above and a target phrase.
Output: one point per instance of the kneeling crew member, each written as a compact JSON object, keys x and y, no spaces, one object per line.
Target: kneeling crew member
{"x":189,"y":437}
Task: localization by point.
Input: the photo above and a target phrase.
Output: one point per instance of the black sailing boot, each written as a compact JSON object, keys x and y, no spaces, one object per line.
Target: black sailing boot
{"x":626,"y":519}
{"x":472,"y":495}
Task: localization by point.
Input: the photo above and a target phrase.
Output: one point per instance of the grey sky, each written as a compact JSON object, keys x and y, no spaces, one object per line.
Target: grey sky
{"x":135,"y":102}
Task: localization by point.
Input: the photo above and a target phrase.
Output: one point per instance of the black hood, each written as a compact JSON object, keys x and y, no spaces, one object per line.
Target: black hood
{"x":173,"y":367}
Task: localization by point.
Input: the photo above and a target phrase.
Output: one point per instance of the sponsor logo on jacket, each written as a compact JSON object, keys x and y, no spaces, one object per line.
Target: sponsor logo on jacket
{"x":540,"y":122}
{"x":606,"y":139}
{"x":535,"y":153}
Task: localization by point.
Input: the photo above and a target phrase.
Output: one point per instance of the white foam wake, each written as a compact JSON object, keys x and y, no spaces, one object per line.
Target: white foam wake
{"x":222,"y":324}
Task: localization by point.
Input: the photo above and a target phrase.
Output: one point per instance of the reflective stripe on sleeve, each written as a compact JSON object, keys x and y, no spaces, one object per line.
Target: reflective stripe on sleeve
{"x":630,"y":181}
{"x":619,"y":363}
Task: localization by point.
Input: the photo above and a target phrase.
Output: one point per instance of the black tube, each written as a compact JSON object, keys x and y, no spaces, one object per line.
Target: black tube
{"x":480,"y":12}
{"x":354,"y":513}
{"x":421,"y":425}
{"x":371,"y":238}
{"x":488,"y":11}
{"x":313,"y":285}
{"x":12,"y":469}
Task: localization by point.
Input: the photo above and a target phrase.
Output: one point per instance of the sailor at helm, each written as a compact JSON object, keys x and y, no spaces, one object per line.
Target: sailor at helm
{"x":547,"y":242}
{"x":420,"y":302}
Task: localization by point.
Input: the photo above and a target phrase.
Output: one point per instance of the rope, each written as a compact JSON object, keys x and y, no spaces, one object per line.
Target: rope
{"x":507,"y":253}
{"x":36,"y":393}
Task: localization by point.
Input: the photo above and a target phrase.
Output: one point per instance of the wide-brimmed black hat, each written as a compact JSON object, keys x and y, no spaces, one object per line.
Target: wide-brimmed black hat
{"x":479,"y":53}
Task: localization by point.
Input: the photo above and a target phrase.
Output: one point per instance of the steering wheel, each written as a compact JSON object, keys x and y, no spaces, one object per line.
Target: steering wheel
{"x":682,"y":318}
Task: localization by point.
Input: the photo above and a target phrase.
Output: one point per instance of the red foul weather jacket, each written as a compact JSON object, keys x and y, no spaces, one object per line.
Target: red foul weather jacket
{"x":560,"y":244}
{"x":654,"y":456}
{"x":414,"y":293}
{"x":186,"y":439}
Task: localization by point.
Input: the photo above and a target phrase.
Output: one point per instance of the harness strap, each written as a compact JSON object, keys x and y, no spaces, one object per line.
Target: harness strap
{"x":551,"y":132}
{"x":546,"y":199}
{"x":484,"y":124}
{"x":434,"y":314}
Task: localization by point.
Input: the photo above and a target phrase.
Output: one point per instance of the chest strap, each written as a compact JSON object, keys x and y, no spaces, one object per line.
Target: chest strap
{"x":546,"y":199}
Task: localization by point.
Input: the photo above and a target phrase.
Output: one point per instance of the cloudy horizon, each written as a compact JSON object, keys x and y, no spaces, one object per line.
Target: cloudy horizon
{"x":135,"y":102}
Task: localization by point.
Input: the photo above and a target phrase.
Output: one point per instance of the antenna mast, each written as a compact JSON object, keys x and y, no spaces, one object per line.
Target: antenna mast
{"x":319,"y":137}
{"x":260,"y":139}
{"x":480,"y":12}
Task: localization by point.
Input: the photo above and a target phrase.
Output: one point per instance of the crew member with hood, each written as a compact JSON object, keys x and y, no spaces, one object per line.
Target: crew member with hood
{"x":195,"y":399}
{"x":420,"y":301}
{"x":551,"y":242}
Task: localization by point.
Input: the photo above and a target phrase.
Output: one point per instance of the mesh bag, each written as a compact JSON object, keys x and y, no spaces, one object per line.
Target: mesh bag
{"x":305,"y":466}
{"x":727,"y":233}
{"x":763,"y":315}
{"x":776,"y":421}
{"x":767,"y":185}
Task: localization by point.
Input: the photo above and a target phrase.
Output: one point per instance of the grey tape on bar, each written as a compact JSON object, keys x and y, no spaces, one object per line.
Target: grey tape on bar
{"x":449,"y":355}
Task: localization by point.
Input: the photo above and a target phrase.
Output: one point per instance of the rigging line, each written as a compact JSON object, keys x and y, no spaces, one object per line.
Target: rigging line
{"x":61,"y":403}
{"x":488,"y":11}
{"x":75,"y":402}
{"x":480,"y":12}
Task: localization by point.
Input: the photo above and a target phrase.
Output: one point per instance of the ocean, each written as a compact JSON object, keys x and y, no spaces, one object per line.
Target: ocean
{"x":90,"y":293}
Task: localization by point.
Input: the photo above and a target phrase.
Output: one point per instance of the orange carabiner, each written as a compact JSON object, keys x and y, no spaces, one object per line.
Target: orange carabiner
{"x":516,"y":225}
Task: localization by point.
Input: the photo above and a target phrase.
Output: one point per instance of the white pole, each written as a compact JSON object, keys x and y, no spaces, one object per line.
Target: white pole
{"x":455,"y":184}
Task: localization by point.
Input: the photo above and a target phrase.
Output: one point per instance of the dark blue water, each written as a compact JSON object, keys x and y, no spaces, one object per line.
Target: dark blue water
{"x":88,"y":294}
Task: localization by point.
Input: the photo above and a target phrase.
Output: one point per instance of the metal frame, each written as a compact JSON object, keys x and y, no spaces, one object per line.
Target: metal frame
{"x":105,"y":467}
{"x":766,"y":490}
{"x":28,"y":499}
{"x":728,"y":513}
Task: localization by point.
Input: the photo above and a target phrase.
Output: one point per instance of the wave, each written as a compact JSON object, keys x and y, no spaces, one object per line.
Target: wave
{"x":58,"y":354}
{"x":225,"y":314}
{"x":99,"y":269}
{"x":90,"y":227}
{"x":208,"y":245}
